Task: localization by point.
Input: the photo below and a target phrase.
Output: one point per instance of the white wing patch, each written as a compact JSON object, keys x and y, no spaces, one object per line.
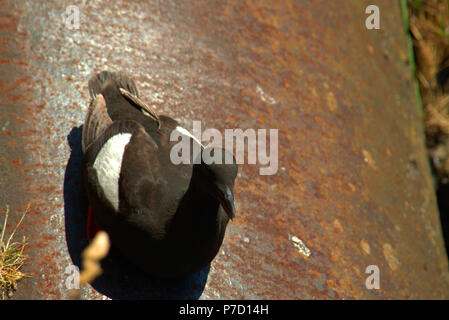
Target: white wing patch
{"x":108,"y":165}
{"x":187,"y":133}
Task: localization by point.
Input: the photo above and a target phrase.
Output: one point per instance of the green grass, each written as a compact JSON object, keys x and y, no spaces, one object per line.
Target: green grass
{"x":415,"y":4}
{"x":411,"y":53}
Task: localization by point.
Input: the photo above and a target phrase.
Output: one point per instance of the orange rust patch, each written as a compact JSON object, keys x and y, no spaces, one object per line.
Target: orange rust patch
{"x":16,"y":162}
{"x":332,"y":284}
{"x":337,"y":225}
{"x":365,"y":246}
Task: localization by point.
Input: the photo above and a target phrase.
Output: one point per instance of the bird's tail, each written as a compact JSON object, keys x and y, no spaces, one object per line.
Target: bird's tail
{"x":99,"y":81}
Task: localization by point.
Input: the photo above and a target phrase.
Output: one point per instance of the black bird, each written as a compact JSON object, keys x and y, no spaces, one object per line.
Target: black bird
{"x":168,"y":219}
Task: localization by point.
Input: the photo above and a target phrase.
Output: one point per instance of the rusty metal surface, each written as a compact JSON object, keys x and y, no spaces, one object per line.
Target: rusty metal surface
{"x":353,"y":187}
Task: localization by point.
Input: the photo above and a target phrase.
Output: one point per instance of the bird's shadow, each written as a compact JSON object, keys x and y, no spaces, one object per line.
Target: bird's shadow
{"x":119,"y":280}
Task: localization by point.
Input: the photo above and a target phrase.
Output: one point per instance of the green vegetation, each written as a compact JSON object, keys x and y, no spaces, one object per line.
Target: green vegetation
{"x":12,"y":258}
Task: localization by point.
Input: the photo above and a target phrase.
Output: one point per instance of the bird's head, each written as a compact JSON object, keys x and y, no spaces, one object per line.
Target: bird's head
{"x":218,"y":170}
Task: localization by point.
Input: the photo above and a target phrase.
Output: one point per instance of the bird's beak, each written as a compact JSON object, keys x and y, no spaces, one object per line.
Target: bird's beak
{"x":226,"y":198}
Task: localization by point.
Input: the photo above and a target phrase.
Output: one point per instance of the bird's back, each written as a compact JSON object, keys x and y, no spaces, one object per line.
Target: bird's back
{"x":145,"y":218}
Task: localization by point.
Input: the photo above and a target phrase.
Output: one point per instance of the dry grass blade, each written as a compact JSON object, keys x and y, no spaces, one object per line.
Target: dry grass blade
{"x":12,"y":258}
{"x":92,"y":255}
{"x":437,"y":114}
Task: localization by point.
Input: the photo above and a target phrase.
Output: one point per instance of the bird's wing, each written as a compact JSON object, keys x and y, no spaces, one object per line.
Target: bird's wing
{"x":96,"y":121}
{"x":140,"y":105}
{"x":151,"y":183}
{"x":129,"y":173}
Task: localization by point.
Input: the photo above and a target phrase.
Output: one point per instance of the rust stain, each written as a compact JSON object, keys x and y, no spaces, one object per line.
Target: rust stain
{"x":16,"y":162}
{"x":337,"y":225}
{"x":365,"y":246}
{"x":342,"y":197}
